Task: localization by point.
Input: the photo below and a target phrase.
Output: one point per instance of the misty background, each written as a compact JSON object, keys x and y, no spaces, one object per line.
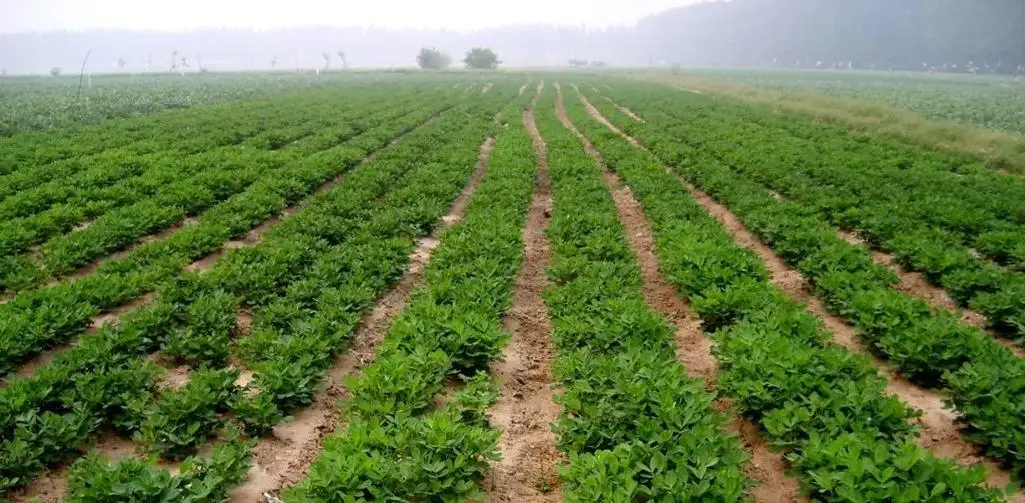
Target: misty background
{"x":945,"y":35}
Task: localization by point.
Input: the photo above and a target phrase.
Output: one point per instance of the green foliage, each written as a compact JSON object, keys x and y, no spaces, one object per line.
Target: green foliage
{"x":183,"y":419}
{"x":433,"y":59}
{"x":775,"y":362}
{"x":481,"y":58}
{"x":417,"y":425}
{"x":53,"y":104}
{"x":93,"y":479}
{"x":982,"y":101}
{"x":922,"y":213}
{"x":430,"y":458}
{"x":307,"y":284}
{"x":632,"y":424}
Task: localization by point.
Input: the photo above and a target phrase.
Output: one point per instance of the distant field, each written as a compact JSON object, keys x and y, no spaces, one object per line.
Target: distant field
{"x":993,"y":102}
{"x":41,"y":103}
{"x":501,"y":286}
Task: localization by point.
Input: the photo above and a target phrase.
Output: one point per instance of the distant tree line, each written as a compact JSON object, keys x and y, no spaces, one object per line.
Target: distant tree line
{"x":950,"y":35}
{"x":478,"y":58}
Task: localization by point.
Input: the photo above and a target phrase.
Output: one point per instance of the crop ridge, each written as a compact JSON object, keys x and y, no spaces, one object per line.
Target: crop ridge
{"x":253,"y":237}
{"x":111,"y":317}
{"x":283,"y":458}
{"x":626,"y":111}
{"x":916,"y":284}
{"x":940,"y":434}
{"x":525,"y":410}
{"x":693,"y":349}
{"x":1000,"y":149}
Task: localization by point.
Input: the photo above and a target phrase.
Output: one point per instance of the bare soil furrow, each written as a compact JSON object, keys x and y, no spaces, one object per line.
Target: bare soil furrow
{"x":255,"y":235}
{"x":525,"y":410}
{"x":112,"y":317}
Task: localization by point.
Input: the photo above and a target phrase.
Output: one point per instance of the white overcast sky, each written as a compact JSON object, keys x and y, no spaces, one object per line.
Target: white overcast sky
{"x":173,"y":15}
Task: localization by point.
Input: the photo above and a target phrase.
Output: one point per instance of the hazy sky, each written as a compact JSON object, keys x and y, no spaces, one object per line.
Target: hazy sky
{"x":41,"y":15}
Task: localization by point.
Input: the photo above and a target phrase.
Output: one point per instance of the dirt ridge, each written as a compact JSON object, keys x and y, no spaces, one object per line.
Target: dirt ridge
{"x":939,"y":432}
{"x":525,"y":409}
{"x":51,"y":486}
{"x":694,"y":349}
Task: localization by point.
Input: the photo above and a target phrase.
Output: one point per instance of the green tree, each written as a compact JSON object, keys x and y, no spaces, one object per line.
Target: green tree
{"x":480,"y":58}
{"x":432,"y":58}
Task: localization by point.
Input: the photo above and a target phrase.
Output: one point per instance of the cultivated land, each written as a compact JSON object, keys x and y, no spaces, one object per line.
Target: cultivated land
{"x":501,"y":287}
{"x":958,"y":114}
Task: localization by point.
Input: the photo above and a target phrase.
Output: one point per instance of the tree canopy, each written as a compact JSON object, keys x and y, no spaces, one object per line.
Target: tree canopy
{"x":433,"y":59}
{"x":481,"y":58}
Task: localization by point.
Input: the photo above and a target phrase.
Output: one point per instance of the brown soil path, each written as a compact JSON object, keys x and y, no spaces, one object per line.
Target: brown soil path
{"x":525,"y":410}
{"x":939,"y":432}
{"x":284,"y":458}
{"x":694,"y":349}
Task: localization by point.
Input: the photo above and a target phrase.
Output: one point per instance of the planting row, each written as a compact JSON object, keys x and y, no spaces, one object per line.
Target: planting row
{"x":634,"y":426}
{"x":35,"y":320}
{"x":306,"y":284}
{"x":115,"y":224}
{"x":929,"y":347}
{"x":415,"y":425}
{"x":824,"y":407}
{"x":933,"y":220}
{"x":183,"y":128}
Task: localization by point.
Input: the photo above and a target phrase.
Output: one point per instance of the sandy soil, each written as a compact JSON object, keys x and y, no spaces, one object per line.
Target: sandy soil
{"x":255,"y":235}
{"x":525,"y":410}
{"x":626,"y":111}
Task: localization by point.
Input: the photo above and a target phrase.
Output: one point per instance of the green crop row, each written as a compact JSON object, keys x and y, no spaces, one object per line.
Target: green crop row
{"x":264,"y":125}
{"x":194,"y":319}
{"x":824,"y":407}
{"x":34,"y":160}
{"x":634,"y":426}
{"x":184,"y":129}
{"x":992,"y":102}
{"x":31,"y":215}
{"x":36,"y":320}
{"x":928,"y":346}
{"x":119,"y":227}
{"x":56,"y":107}
{"x":935,"y":216}
{"x":401,"y":441}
